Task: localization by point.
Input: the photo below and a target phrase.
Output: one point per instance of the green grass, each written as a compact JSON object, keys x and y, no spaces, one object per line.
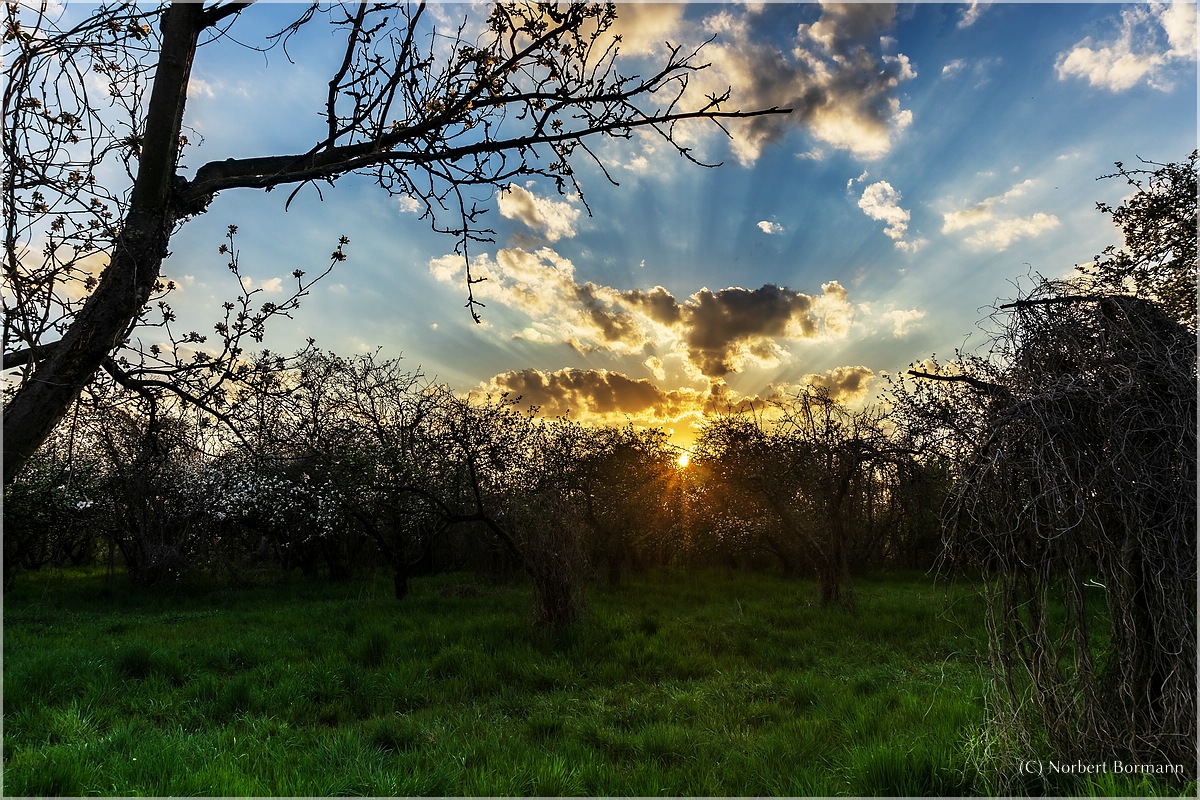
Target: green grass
{"x":680,"y":685}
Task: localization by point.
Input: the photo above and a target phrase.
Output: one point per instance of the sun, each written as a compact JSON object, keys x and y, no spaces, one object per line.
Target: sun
{"x":683,"y":459}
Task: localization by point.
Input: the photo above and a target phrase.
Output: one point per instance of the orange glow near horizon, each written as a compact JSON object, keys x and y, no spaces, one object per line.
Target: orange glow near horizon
{"x":683,"y":459}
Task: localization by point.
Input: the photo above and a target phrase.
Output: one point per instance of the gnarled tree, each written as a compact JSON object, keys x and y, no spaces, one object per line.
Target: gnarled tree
{"x":1078,"y":492}
{"x":425,"y":111}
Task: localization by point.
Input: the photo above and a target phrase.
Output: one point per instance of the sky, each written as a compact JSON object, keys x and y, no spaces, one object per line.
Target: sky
{"x":937,"y":158}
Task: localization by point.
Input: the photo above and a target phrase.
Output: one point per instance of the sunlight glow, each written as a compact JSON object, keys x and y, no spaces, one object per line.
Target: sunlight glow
{"x":683,"y":459}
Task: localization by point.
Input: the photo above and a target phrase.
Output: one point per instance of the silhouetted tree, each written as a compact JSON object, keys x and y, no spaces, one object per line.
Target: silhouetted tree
{"x":625,"y":478}
{"x":1158,"y":222}
{"x":827,"y":474}
{"x":424,"y":112}
{"x":1073,"y":442}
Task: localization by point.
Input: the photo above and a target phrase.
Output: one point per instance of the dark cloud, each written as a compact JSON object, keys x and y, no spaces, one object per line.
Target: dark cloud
{"x":716,"y":332}
{"x":845,"y":384}
{"x":658,"y":304}
{"x":610,"y":324}
{"x":722,"y":328}
{"x":603,"y":396}
{"x":838,"y":80}
{"x":582,"y":391}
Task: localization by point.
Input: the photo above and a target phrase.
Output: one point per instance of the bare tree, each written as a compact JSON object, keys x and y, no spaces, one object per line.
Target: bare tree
{"x":425,"y":112}
{"x":826,"y":473}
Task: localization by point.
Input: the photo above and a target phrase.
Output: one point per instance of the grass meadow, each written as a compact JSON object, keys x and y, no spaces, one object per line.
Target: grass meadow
{"x":675,"y":684}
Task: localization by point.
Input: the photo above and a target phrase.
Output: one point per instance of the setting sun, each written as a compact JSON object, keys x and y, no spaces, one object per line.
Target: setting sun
{"x":683,"y":459}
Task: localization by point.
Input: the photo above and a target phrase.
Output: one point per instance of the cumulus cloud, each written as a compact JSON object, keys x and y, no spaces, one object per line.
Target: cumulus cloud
{"x":769,"y":228}
{"x":839,"y":74}
{"x":838,"y":78}
{"x":991,"y":230}
{"x":844,"y":384}
{"x":880,"y":201}
{"x":552,"y":219}
{"x":715,"y":332}
{"x":728,"y":329}
{"x":601,"y":396}
{"x":1152,"y":41}
{"x":583,"y":391}
{"x":645,"y":28}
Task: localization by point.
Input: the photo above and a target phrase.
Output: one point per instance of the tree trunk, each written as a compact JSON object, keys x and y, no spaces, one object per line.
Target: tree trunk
{"x":136,"y":259}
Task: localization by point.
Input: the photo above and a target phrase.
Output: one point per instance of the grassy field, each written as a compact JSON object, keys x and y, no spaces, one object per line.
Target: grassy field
{"x":678,"y":685}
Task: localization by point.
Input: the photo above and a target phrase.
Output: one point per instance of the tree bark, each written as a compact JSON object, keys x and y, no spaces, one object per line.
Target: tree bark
{"x":138,"y":252}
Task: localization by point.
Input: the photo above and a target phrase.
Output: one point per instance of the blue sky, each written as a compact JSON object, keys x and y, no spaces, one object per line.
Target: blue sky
{"x":938,"y":155}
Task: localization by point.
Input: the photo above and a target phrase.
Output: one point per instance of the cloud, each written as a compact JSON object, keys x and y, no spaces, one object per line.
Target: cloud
{"x":971,"y":14}
{"x":601,"y":396}
{"x":726,"y":330}
{"x":769,"y":228}
{"x":844,"y":384}
{"x":582,"y":391}
{"x":1004,"y":232}
{"x":1153,"y":39}
{"x":837,"y":78}
{"x":952,"y":67}
{"x":270,"y":285}
{"x":39,"y":263}
{"x":849,"y":385}
{"x":902,"y":319}
{"x":993,"y":231}
{"x":715,"y":333}
{"x":542,"y":285}
{"x":983,"y":211}
{"x":880,"y":201}
{"x":645,"y":28}
{"x":552,"y":219}
{"x":198,"y":87}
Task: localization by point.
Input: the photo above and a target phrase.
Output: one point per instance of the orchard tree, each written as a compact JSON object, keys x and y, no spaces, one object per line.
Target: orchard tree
{"x":748,"y":485}
{"x":425,"y":111}
{"x":624,"y":478}
{"x":825,"y":473}
{"x":1158,"y":222}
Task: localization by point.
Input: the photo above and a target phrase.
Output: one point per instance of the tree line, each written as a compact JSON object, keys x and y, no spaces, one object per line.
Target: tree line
{"x":361,"y":462}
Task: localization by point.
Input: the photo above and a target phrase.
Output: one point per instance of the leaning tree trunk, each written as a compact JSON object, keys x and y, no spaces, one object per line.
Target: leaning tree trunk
{"x":137,"y":255}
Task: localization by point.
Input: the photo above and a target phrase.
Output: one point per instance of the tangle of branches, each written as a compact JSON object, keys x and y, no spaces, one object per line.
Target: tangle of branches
{"x":1078,"y":497}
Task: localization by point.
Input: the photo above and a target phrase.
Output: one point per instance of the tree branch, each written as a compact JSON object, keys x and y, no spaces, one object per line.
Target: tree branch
{"x":990,"y":389}
{"x":29,"y":355}
{"x":1065,"y":298}
{"x":269,"y":171}
{"x":215,"y":13}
